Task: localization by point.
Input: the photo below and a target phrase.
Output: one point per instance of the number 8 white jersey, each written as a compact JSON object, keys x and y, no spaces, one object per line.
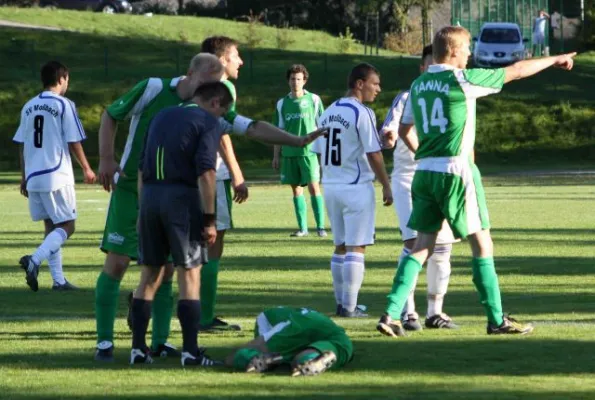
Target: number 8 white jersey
{"x":48,"y":123}
{"x":352,"y":134}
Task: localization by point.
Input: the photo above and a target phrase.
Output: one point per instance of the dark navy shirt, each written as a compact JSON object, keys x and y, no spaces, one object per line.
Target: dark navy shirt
{"x":180,"y":145}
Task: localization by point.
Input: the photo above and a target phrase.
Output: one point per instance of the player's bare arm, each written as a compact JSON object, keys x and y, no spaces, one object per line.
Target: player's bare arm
{"x":408,"y":136}
{"x":268,"y":133}
{"x":76,"y":149}
{"x":376,"y":161}
{"x":237,"y":177}
{"x":206,"y":186}
{"x":389,"y":138}
{"x":526,"y":68}
{"x":23,"y":178}
{"x":107,"y":162}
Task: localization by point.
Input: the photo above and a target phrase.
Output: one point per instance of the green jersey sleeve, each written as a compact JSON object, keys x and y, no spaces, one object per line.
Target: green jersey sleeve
{"x":278,"y":115}
{"x":319,"y":107}
{"x":479,"y":82}
{"x":124,"y":106}
{"x":231,"y":114}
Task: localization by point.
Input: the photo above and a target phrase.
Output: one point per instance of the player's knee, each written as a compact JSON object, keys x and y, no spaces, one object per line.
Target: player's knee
{"x":116,"y":265}
{"x":68,"y":227}
{"x":314,"y":189}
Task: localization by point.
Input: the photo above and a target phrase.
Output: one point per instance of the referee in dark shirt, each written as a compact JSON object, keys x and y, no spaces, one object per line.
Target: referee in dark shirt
{"x":177,"y":211}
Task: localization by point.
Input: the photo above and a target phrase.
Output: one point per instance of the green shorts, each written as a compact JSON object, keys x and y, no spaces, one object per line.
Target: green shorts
{"x":289,"y":331}
{"x":456,"y":195}
{"x":300,"y":171}
{"x":120,"y":235}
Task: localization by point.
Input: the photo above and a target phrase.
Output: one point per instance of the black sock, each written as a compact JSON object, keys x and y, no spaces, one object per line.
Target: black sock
{"x":189,"y":316}
{"x":141,"y":314}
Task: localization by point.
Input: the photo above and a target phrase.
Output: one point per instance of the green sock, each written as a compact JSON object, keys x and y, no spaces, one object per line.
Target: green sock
{"x":163,"y":308}
{"x":243,"y":357}
{"x":486,"y":282}
{"x":208,"y":291}
{"x":107,"y":293}
{"x":318,"y":208}
{"x":299,"y":203}
{"x":407,"y":270}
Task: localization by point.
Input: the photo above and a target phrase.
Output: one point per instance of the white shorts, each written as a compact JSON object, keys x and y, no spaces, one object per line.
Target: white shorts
{"x":223,"y":205}
{"x":59,"y":205}
{"x":538,"y":38}
{"x":401,"y":186}
{"x":351,"y":211}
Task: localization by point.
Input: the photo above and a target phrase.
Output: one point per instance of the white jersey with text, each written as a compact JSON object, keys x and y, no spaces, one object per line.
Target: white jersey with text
{"x":351,"y":136}
{"x":49,"y":122}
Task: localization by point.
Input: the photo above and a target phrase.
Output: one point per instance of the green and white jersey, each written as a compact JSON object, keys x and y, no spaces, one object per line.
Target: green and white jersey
{"x":442,"y":106}
{"x":298,"y":116}
{"x":140,"y":105}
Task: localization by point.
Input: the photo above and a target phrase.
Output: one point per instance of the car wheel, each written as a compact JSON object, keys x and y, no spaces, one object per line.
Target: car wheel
{"x":108,"y":9}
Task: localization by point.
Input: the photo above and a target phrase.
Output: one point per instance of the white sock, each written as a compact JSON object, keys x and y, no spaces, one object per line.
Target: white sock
{"x":353,"y":277}
{"x":51,"y":244}
{"x":55,"y":264}
{"x":337,"y":261}
{"x":438,"y":278}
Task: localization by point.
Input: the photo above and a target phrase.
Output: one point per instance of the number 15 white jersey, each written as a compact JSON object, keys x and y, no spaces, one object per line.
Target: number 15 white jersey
{"x":48,"y":123}
{"x":352,"y":134}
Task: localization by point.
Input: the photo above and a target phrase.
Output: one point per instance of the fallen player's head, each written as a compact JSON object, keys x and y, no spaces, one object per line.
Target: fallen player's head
{"x":214,"y":97}
{"x":364,"y":82}
{"x":55,"y":75}
{"x":452,"y":46}
{"x":204,"y":68}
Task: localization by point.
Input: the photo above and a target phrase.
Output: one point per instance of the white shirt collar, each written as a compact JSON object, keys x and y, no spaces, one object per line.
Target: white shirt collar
{"x":434,"y":68}
{"x":174,"y":82}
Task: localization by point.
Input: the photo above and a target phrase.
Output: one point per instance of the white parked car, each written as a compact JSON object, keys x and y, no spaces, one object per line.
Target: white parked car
{"x":498,"y":44}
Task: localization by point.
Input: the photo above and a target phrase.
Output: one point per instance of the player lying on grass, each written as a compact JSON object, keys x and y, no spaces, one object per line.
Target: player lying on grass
{"x":305,"y":339}
{"x":447,"y":183}
{"x":49,"y":131}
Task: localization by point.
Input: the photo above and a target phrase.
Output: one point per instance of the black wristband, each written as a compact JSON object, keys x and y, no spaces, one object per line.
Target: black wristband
{"x":208,"y":219}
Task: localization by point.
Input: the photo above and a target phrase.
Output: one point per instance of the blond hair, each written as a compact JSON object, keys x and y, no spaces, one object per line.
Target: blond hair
{"x":206,"y":63}
{"x":447,"y":40}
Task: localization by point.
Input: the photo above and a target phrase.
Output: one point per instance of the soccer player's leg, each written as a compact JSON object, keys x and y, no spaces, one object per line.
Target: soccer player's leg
{"x":466,"y":212}
{"x":291,"y":175}
{"x":188,"y":253}
{"x":310,"y":172}
{"x":359,"y":217}
{"x":120,"y":242}
{"x":438,"y":277}
{"x":58,"y":210}
{"x":334,"y":206}
{"x":426,"y":218}
{"x":210,"y":270}
{"x":401,"y":187}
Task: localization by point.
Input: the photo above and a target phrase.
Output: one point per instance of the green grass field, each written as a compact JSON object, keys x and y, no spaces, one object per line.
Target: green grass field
{"x":544,"y":241}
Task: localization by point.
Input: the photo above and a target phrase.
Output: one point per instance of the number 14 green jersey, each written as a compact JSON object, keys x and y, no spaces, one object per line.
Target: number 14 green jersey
{"x":442,"y":106}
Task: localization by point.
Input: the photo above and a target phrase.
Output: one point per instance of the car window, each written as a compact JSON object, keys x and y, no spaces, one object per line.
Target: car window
{"x":500,"y":35}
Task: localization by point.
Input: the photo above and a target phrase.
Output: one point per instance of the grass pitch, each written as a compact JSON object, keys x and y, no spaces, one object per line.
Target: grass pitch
{"x":544,"y":241}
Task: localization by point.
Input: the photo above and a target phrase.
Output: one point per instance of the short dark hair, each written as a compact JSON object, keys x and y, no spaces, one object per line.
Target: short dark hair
{"x":217,"y":45}
{"x":207,"y":91}
{"x":297,"y":69}
{"x":361,"y":72}
{"x":427,"y":51}
{"x":52,"y":72}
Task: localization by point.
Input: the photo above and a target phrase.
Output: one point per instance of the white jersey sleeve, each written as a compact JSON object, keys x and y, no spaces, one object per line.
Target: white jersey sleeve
{"x":408,"y":117}
{"x":19,"y":137}
{"x":367,"y":131}
{"x":403,"y":159}
{"x":72,"y":127}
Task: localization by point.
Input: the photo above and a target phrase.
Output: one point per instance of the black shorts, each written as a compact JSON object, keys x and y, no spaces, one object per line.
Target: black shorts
{"x":170,"y":223}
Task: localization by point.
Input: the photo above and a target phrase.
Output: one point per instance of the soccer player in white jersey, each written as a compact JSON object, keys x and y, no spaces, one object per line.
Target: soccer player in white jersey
{"x":447,"y":183}
{"x":49,"y":130}
{"x":439,"y":263}
{"x":351,"y":157}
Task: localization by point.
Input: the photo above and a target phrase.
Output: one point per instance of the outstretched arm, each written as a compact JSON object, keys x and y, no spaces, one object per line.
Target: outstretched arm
{"x":377,"y":163}
{"x":526,"y":68}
